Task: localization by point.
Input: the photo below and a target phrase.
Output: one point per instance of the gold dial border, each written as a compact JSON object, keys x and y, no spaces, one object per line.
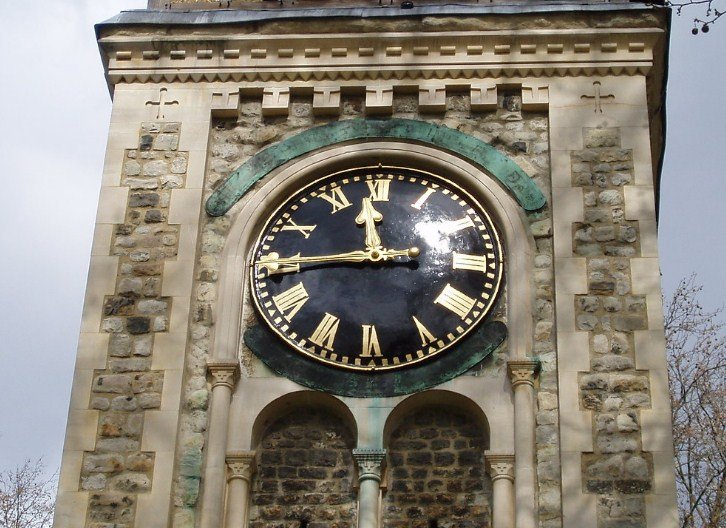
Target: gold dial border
{"x":311,"y":350}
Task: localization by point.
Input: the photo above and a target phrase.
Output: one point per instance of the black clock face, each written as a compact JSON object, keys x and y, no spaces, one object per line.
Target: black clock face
{"x":376,"y":268}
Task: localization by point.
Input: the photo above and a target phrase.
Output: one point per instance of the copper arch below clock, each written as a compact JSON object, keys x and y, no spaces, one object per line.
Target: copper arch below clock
{"x":376,"y":268}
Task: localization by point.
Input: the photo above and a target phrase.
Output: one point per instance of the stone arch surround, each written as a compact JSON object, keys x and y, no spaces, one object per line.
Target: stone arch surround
{"x":250,"y":212}
{"x":491,"y":393}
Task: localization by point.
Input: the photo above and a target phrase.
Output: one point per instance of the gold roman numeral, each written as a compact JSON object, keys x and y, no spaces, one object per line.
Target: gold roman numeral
{"x":470,"y":262}
{"x":336,"y":198}
{"x":379,"y":190}
{"x":452,"y":226}
{"x":305,"y":230}
{"x":423,"y":332}
{"x":452,"y":299}
{"x":290,"y":301}
{"x":370,"y":342}
{"x":422,"y":199}
{"x":324,"y":334}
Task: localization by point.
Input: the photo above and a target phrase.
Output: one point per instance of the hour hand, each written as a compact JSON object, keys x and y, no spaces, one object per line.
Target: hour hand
{"x":369,"y":216}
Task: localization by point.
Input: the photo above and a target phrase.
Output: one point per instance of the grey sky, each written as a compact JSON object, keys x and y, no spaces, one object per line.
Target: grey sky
{"x":54,"y":110}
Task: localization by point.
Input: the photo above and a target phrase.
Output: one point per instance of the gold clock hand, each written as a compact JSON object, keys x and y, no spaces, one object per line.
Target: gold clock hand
{"x":369,"y":216}
{"x":276,"y":264}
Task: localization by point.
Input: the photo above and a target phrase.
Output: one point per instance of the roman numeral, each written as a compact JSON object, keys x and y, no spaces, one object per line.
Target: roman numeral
{"x":423,"y":332}
{"x":379,"y":190}
{"x":452,"y":299}
{"x":305,"y":230}
{"x":290,"y":301}
{"x":452,"y":226}
{"x":370,"y":342}
{"x":336,"y":198}
{"x":422,"y":199}
{"x":470,"y":262}
{"x":324,"y":334}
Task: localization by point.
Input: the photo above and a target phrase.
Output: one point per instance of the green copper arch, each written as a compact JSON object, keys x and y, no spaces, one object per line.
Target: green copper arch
{"x":497,"y":164}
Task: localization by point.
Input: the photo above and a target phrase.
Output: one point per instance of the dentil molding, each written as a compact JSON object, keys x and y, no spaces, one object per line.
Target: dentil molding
{"x":349,"y":59}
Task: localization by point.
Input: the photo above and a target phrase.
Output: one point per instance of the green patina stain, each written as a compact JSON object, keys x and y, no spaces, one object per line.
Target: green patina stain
{"x":361,"y":384}
{"x":494,"y":162}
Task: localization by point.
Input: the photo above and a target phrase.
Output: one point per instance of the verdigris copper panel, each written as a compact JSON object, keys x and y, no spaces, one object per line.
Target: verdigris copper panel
{"x":511,"y":176}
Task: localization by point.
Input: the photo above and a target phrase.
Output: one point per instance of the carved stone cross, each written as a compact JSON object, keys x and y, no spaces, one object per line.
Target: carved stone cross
{"x":161,"y":103}
{"x":598,"y":97}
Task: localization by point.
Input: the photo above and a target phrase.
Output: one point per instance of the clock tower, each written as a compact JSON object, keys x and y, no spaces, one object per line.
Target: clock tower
{"x":376,"y":265}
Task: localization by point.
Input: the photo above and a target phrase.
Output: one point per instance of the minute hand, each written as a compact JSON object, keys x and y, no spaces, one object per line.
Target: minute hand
{"x":274,"y":263}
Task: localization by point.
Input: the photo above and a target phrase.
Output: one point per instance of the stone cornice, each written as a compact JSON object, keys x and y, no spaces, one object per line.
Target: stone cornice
{"x":354,"y":59}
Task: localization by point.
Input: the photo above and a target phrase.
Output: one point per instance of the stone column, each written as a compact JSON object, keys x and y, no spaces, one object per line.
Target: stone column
{"x":501,"y":471}
{"x":370,"y":467}
{"x":224,"y":375}
{"x":240,"y":468}
{"x":522,"y":373}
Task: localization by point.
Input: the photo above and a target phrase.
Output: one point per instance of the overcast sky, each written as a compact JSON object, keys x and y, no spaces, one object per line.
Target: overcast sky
{"x":54,"y":111}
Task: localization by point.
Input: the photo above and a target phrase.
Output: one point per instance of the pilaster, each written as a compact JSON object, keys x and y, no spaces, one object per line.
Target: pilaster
{"x":240,"y":469}
{"x":224,"y":375}
{"x":522,"y":376}
{"x":370,"y":468}
{"x":501,"y":470}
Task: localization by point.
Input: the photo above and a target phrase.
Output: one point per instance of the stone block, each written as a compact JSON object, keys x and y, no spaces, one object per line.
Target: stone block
{"x":326,"y":100}
{"x":379,"y":100}
{"x":432,"y":98}
{"x":275,"y":101}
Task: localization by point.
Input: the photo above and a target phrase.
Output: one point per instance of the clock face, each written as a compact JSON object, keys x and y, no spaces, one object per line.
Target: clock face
{"x":376,"y":268}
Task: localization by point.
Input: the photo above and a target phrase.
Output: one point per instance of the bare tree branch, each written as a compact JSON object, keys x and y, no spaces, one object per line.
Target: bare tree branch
{"x":696,"y":347}
{"x":707,"y":7}
{"x":27,"y":496}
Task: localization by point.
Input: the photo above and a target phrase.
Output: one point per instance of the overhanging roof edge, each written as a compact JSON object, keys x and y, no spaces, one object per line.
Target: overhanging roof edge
{"x":234,"y":16}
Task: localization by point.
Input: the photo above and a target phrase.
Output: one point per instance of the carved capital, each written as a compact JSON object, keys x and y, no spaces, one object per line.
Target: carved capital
{"x":500,"y":466}
{"x":522,"y":372}
{"x":370,"y":463}
{"x":223,"y":372}
{"x":240,"y":465}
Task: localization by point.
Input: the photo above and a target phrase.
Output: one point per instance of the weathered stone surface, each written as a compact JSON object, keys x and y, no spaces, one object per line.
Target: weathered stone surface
{"x":155,"y":168}
{"x":152,"y":306}
{"x":166,"y":142}
{"x":613,"y":391}
{"x":112,"y":383}
{"x":601,"y":137}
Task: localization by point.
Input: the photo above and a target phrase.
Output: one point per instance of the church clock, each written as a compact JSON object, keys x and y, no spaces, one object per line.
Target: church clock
{"x":376,"y":269}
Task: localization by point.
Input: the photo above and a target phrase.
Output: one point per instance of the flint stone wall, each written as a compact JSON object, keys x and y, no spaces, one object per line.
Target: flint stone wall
{"x":436,"y":473}
{"x":305,"y":474}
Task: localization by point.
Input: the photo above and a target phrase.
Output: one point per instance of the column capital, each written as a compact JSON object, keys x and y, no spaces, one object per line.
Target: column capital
{"x":370,"y":463}
{"x":522,"y":371}
{"x":224,"y":372}
{"x":500,"y":466}
{"x":241,"y":465}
